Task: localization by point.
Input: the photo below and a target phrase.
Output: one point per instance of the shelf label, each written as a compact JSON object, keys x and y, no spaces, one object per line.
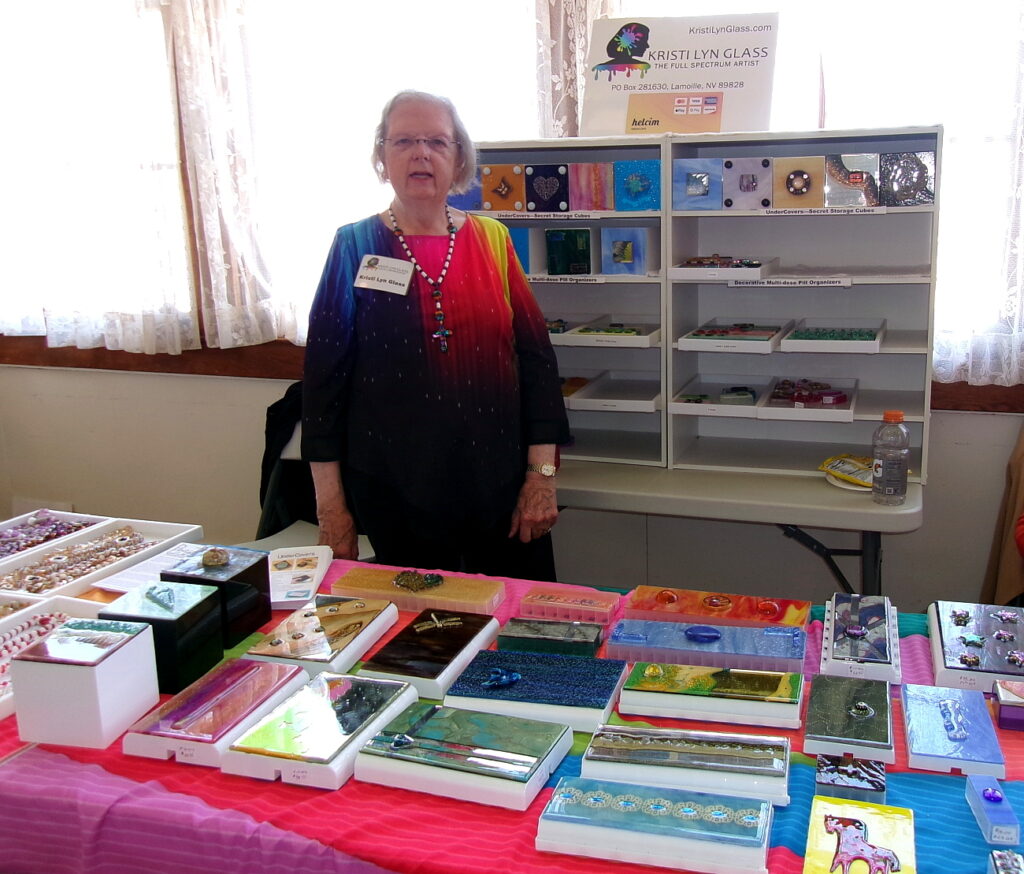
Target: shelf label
{"x":574,"y":278}
{"x":838,"y":282}
{"x":831,"y":210}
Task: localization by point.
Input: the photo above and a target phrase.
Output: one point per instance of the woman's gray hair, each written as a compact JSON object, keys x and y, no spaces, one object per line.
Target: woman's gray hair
{"x":465,"y":173}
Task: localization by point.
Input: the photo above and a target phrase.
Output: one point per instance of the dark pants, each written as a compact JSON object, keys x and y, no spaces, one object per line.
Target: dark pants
{"x":407,"y":536}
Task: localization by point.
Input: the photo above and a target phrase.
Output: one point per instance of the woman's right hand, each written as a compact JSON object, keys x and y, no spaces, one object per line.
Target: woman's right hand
{"x":338,"y":531}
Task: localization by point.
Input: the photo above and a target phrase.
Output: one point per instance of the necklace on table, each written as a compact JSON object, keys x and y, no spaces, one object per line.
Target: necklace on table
{"x":442,"y":333}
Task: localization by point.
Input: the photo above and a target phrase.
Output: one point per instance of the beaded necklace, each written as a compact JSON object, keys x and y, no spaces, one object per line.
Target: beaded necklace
{"x":442,"y":333}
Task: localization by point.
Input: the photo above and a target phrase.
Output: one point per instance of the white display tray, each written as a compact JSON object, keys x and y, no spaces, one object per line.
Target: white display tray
{"x":625,"y":391}
{"x":712,"y":385}
{"x":328,"y":775}
{"x":849,"y":747}
{"x":650,"y":334}
{"x":690,"y":343}
{"x":39,"y":607}
{"x":62,"y":515}
{"x":768,"y":267}
{"x":450,"y":783}
{"x":840,"y":413}
{"x":863,"y":346}
{"x":166,"y":534}
{"x":192,"y":752}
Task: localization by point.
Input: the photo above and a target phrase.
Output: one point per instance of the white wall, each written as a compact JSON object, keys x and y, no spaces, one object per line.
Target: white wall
{"x":188,"y":449}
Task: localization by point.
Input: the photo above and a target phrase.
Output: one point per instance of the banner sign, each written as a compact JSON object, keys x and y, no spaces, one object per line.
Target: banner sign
{"x":680,"y":75}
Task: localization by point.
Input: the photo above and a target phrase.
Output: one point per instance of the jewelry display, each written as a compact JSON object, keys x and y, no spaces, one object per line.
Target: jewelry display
{"x":21,"y":637}
{"x":72,"y":562}
{"x":41,"y":527}
{"x":9,"y":607}
{"x":442,"y":333}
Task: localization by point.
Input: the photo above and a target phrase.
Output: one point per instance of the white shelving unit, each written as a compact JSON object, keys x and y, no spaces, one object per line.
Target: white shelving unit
{"x":821,"y":267}
{"x":835,"y":267}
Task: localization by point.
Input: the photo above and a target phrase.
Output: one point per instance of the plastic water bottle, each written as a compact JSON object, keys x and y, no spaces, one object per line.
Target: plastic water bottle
{"x":891,"y":460}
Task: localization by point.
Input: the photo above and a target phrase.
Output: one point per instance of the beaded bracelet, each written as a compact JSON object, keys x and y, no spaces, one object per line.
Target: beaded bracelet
{"x":72,"y":562}
{"x":23,"y":636}
{"x":41,"y":527}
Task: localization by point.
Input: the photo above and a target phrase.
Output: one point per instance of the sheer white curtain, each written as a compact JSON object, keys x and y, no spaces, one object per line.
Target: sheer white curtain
{"x":95,"y":250}
{"x":563,"y":41}
{"x":210,"y":62}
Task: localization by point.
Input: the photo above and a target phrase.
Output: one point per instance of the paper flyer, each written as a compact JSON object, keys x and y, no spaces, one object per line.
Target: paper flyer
{"x":296,"y":573}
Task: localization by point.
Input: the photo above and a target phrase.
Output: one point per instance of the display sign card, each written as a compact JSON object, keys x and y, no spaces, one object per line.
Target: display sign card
{"x":680,"y":75}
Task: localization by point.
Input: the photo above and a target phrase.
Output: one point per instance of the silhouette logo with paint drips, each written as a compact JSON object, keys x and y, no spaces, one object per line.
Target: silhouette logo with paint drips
{"x":624,"y":51}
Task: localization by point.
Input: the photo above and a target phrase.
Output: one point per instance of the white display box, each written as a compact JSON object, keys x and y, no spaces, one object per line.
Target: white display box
{"x":708,"y":775}
{"x":837,"y":413}
{"x":62,"y":515}
{"x":650,"y":334}
{"x":346,"y":657}
{"x":625,"y":391}
{"x":436,"y":687}
{"x":87,"y":704}
{"x":195,"y":752}
{"x":9,"y":625}
{"x":836,"y":666}
{"x":463,"y":785}
{"x":863,"y":346}
{"x":691,"y":274}
{"x":328,"y":775}
{"x":693,"y":342}
{"x":712,"y":385}
{"x":165,"y":534}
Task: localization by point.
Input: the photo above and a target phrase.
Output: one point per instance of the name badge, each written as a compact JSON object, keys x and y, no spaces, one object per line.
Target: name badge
{"x":379,"y":273}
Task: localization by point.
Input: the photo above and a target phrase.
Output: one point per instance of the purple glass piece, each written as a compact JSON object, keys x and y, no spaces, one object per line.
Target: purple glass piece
{"x":856,"y":631}
{"x":993,"y":795}
{"x":703,"y":634}
{"x":216,"y":702}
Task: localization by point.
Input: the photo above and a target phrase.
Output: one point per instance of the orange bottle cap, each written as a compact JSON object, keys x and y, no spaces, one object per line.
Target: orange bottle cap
{"x":892,"y":416}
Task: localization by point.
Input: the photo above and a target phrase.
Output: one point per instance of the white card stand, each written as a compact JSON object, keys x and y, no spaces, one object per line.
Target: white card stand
{"x":346,"y":657}
{"x":840,"y":667}
{"x":436,"y":687}
{"x":328,"y":775}
{"x":193,"y":752}
{"x":86,"y":705}
{"x":449,"y":783}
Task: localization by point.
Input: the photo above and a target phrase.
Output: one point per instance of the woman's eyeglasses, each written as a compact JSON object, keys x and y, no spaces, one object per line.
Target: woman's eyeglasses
{"x":441,"y":145}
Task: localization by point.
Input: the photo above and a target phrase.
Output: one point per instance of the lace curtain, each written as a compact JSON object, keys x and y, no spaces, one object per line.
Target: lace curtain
{"x":563,"y":40}
{"x":995,"y":356}
{"x":211,"y":67}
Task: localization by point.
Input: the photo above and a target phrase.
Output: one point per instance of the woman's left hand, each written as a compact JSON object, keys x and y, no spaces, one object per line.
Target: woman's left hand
{"x":536,"y":510}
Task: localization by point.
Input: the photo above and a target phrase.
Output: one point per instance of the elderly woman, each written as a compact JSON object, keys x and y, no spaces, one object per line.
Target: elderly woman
{"x":431,"y":400}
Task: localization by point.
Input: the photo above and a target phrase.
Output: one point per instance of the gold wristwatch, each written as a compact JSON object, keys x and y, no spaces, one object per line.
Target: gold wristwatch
{"x":542,"y":469}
